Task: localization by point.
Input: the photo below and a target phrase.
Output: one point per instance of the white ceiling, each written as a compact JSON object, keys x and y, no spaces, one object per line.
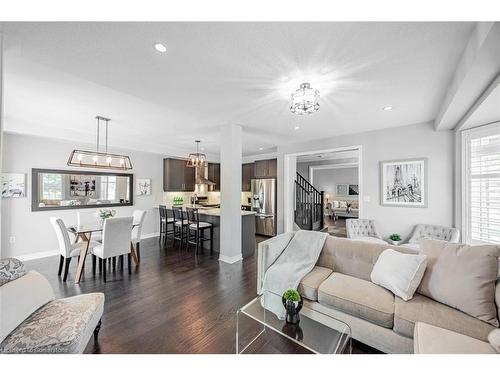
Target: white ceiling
{"x":58,"y":76}
{"x":324,"y":156}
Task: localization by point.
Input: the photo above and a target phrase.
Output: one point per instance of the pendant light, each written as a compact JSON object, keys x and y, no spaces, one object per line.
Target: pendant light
{"x":196,"y":159}
{"x":97,"y":159}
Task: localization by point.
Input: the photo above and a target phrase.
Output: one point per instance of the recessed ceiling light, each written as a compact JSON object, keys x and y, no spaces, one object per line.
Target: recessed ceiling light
{"x":160,"y":47}
{"x":297,"y":127}
{"x":202,"y":149}
{"x":261,"y":148}
{"x":387,"y":108}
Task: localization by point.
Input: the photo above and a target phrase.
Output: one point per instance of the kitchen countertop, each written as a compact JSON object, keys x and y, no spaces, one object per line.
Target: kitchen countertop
{"x":209,"y":211}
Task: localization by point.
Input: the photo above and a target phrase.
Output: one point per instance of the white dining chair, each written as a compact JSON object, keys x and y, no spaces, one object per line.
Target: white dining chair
{"x":116,"y":241}
{"x":139,"y":217}
{"x":67,"y":248}
{"x":89,"y":218}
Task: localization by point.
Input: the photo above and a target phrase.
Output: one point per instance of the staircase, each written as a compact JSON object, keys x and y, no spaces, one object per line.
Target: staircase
{"x":308,"y":205}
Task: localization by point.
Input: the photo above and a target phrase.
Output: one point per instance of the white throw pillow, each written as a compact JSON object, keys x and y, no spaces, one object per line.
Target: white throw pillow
{"x":494,"y":339}
{"x":398,"y":272}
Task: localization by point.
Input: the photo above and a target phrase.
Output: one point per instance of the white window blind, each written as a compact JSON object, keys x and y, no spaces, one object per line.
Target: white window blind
{"x":483,"y":183}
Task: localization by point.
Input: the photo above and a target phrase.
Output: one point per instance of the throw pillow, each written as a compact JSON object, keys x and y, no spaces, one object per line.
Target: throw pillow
{"x":11,"y":269}
{"x":494,"y":339}
{"x":398,"y":272}
{"x":462,"y":276}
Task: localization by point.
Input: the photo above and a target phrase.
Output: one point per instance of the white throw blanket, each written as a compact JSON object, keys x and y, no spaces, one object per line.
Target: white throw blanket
{"x":296,"y":261}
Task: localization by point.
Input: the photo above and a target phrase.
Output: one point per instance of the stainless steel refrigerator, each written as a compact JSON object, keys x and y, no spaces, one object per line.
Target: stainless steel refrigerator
{"x":264,"y":205}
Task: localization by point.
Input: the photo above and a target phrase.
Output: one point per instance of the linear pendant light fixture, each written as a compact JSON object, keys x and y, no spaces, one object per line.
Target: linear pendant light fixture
{"x":97,"y":159}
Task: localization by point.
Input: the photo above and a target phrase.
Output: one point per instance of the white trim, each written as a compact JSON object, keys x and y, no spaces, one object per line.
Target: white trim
{"x":230,"y":260}
{"x":288,"y":190}
{"x":150,"y":235}
{"x":39,"y":255}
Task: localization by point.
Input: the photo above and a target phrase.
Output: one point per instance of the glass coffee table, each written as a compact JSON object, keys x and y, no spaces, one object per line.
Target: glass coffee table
{"x":259,"y":331}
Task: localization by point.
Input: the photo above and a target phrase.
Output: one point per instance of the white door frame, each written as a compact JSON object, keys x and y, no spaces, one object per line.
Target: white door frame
{"x":289,"y":178}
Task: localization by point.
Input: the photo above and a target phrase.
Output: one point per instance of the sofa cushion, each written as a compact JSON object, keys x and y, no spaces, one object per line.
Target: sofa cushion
{"x":353,"y":258}
{"x":398,"y":272}
{"x":429,"y":339}
{"x":424,"y":309}
{"x":462,"y":276}
{"x":20,"y":298}
{"x":11,"y":269}
{"x":60,"y":326}
{"x":310,"y":283}
{"x":358,"y":297}
{"x":494,"y":339}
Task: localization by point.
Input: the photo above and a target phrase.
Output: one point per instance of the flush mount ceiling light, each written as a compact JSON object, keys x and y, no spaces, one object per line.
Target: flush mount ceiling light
{"x":160,"y":47}
{"x":305,"y":100}
{"x":196,"y":159}
{"x":97,"y":159}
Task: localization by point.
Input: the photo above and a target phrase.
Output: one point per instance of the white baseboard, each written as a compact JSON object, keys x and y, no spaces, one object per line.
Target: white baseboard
{"x":150,"y":235}
{"x":41,"y":254}
{"x":230,"y":260}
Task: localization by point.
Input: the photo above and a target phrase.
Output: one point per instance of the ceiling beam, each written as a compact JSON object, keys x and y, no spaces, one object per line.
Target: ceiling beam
{"x":478,"y":66}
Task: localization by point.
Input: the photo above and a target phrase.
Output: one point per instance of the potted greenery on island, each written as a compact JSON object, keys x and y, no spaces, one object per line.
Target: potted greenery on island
{"x":292,"y":301}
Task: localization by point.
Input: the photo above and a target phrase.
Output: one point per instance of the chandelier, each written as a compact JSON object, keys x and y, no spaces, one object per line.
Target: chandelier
{"x":305,"y":100}
{"x":196,"y":159}
{"x":97,"y":159}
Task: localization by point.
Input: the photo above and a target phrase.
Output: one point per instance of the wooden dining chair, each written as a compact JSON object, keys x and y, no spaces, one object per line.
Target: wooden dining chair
{"x":67,"y":249}
{"x":139,"y":216}
{"x":116,"y":241}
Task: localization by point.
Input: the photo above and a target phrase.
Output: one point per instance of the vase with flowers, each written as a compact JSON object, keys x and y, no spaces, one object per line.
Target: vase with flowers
{"x":105,"y":214}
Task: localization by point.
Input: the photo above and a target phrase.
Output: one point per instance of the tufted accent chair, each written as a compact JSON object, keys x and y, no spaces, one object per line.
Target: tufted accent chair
{"x":361,"y":228}
{"x":435,"y":232}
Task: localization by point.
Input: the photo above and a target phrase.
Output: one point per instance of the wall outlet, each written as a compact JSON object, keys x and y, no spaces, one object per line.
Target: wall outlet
{"x":12,"y":239}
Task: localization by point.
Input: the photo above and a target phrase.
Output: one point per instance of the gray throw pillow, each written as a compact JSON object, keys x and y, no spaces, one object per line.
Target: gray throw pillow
{"x":11,"y":269}
{"x":462,"y":276}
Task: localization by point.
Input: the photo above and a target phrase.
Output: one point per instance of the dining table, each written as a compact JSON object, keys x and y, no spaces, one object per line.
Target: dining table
{"x":84,"y":232}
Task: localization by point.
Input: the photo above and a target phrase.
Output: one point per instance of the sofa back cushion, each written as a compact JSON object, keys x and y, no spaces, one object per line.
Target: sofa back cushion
{"x":351,"y":257}
{"x":462,"y":276}
{"x":20,"y":298}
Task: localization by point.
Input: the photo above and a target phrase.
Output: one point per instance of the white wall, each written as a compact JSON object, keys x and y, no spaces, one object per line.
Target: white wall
{"x":411,"y":141}
{"x":326,"y":179}
{"x":32,"y":230}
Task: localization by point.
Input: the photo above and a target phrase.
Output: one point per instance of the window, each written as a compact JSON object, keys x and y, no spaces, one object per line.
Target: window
{"x":52,"y":186}
{"x":108,"y":187}
{"x":482,"y":184}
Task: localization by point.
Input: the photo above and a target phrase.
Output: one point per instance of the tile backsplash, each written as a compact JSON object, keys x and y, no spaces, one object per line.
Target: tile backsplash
{"x":213,"y":197}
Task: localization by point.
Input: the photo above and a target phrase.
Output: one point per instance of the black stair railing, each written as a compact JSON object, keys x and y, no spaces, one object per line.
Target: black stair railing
{"x":308,"y":205}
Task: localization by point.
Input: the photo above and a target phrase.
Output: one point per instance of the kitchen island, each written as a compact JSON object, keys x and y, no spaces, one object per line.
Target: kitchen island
{"x":212,"y":215}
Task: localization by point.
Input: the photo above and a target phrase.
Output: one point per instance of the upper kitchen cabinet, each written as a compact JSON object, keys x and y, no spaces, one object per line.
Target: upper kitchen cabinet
{"x":247,"y":171}
{"x":214,"y":175}
{"x":266,"y":168}
{"x":177,"y":176}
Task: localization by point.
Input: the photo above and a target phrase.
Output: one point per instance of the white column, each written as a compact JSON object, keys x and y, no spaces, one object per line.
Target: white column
{"x":1,"y":130}
{"x":290,"y":172}
{"x":230,"y":196}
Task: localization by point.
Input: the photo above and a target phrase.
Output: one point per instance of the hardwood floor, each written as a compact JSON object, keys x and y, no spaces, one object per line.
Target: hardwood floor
{"x":173,"y":302}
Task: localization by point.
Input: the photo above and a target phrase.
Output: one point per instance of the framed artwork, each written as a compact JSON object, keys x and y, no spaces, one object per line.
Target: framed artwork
{"x":82,"y":186}
{"x":403,"y":183}
{"x":13,"y":185}
{"x":143,"y":186}
{"x":341,"y":190}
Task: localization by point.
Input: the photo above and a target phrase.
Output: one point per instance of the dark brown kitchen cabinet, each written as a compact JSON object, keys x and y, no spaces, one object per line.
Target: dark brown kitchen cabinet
{"x":266,"y":168}
{"x":214,"y":175}
{"x":177,"y":176}
{"x":247,"y":171}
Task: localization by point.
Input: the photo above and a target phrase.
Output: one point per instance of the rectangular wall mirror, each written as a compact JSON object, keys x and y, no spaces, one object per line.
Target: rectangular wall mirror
{"x":62,"y":189}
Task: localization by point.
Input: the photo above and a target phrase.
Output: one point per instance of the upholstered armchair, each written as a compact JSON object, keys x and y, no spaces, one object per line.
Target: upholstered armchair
{"x":363,"y":230}
{"x":435,"y":232}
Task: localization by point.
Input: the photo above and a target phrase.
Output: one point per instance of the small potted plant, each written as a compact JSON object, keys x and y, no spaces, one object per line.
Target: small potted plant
{"x":105,"y":214}
{"x":292,"y":301}
{"x":395,"y":239}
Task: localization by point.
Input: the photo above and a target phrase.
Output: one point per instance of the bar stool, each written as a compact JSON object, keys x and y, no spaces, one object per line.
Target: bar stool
{"x":196,"y":230}
{"x":166,"y":219}
{"x":180,"y":223}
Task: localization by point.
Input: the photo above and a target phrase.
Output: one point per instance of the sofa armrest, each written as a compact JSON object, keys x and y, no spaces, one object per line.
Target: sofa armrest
{"x":267,"y":253}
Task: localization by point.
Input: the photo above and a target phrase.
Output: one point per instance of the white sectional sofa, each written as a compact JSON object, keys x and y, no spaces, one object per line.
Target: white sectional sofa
{"x":33,"y":321}
{"x":340,"y":286}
